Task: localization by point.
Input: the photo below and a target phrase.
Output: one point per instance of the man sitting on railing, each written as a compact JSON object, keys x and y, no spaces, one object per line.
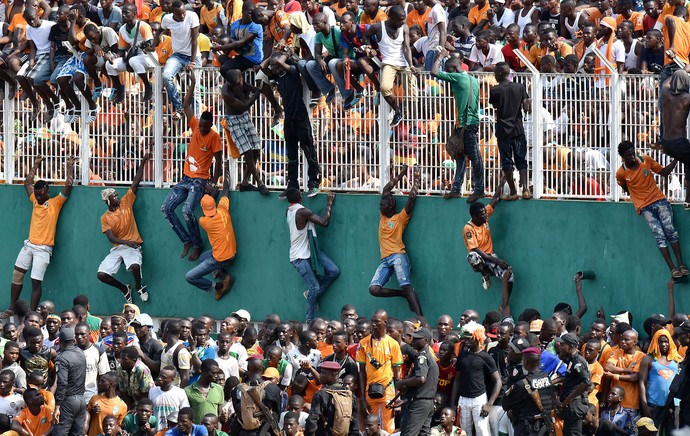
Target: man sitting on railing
{"x":135,"y":37}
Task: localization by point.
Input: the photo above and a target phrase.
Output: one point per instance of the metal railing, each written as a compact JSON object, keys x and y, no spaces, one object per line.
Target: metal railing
{"x":571,"y":142}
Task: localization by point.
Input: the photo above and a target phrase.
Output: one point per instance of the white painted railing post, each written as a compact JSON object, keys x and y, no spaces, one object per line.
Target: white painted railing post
{"x":8,"y":123}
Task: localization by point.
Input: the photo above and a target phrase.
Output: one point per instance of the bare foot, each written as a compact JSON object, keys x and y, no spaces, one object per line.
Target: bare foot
{"x":474,"y":197}
{"x":195,"y":254}
{"x":185,"y":250}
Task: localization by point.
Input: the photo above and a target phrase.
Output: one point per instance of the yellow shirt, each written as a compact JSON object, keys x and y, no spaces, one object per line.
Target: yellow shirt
{"x":164,"y":49}
{"x":221,"y":234}
{"x":109,"y":406}
{"x":391,"y":232}
{"x":479,"y":236}
{"x":121,"y":220}
{"x":208,"y":17}
{"x":44,"y":220}
{"x":386,"y":351}
{"x":156,"y":15}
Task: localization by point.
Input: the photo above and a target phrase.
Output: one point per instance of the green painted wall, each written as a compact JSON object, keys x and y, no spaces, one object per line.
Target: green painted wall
{"x":545,"y":241}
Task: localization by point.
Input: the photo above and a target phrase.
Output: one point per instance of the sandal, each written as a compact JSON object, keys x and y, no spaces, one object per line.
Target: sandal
{"x":511,"y":197}
{"x":91,"y":117}
{"x":526,"y":194}
{"x":683,"y":270}
{"x":69,"y":115}
{"x":676,"y":274}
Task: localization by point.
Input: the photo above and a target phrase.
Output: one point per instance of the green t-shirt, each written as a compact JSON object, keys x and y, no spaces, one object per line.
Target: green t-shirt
{"x":203,"y":405}
{"x":460,"y":84}
{"x":132,"y":426}
{"x":328,"y":41}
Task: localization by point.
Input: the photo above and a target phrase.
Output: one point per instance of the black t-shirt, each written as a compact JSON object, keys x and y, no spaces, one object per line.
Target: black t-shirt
{"x":152,"y":348}
{"x":424,"y":366}
{"x":290,"y":89}
{"x":58,"y":36}
{"x":507,"y":98}
{"x":555,"y":20}
{"x":472,"y":369}
{"x":500,"y":356}
{"x":349,"y":366}
{"x":576,"y":372}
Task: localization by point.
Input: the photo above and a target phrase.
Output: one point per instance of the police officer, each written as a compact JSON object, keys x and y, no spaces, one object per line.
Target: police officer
{"x":573,"y":400}
{"x":516,"y":371}
{"x":529,"y":417}
{"x":322,"y":415}
{"x":70,"y":365}
{"x":419,"y":388}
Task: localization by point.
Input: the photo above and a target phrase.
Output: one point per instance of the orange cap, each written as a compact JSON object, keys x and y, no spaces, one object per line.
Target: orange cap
{"x":535,"y":326}
{"x":208,"y":205}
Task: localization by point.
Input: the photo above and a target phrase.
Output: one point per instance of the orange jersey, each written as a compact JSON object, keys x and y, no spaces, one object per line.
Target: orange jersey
{"x":681,"y":40}
{"x":640,"y":182}
{"x":121,"y":220}
{"x":36,"y":425}
{"x":479,"y":236}
{"x":209,"y":17}
{"x":476,"y":15}
{"x":44,"y":220}
{"x":621,"y":359}
{"x":387,"y":351}
{"x":200,"y":151}
{"x":379,"y":18}
{"x":636,"y":18}
{"x":415,"y":18}
{"x":221,"y":234}
{"x":164,"y":49}
{"x":391,"y":232}
{"x":156,"y":15}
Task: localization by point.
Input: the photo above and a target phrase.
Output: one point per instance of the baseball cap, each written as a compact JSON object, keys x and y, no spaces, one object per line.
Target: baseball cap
{"x":659,"y":319}
{"x":242,"y":314}
{"x":646,"y":423}
{"x":208,"y":205}
{"x":422,"y":333}
{"x":143,"y":320}
{"x":334,"y":366}
{"x":66,"y":334}
{"x":518,"y":345}
{"x":569,"y":339}
{"x":528,"y":315}
{"x":682,"y":328}
{"x":621,"y":317}
{"x":270,"y":372}
{"x":532,"y":350}
{"x":535,"y":326}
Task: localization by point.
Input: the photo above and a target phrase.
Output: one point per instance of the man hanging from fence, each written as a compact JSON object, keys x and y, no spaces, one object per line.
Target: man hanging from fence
{"x":393,"y":254}
{"x":135,"y":36}
{"x":239,"y":96}
{"x":203,"y":148}
{"x":675,"y":107}
{"x":38,"y":248}
{"x":120,"y":228}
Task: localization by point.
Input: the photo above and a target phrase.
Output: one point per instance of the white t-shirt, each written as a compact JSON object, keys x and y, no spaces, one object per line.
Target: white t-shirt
{"x":302,"y":419}
{"x":181,"y":31}
{"x":295,"y":357}
{"x":230,"y":366}
{"x":96,"y":364}
{"x":420,"y":45}
{"x":11,"y":405}
{"x":238,"y":349}
{"x":506,"y":19}
{"x":109,"y":38}
{"x":436,"y":16}
{"x":166,"y":402}
{"x":492,"y":58}
{"x":39,"y":35}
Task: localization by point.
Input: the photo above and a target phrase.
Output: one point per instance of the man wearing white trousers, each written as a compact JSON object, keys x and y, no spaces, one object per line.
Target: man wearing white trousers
{"x":135,"y":37}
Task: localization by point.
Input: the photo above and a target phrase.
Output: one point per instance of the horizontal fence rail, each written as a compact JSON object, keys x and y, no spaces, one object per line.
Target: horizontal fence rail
{"x":573,"y":128}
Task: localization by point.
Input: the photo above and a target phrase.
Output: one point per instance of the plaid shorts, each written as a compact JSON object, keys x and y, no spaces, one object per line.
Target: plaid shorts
{"x":243,"y":132}
{"x":40,"y":72}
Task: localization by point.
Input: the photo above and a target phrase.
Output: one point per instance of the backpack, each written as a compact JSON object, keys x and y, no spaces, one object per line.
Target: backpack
{"x":251,"y":417}
{"x":342,"y":402}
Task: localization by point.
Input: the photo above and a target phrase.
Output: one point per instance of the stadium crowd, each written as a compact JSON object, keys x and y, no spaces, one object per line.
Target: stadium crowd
{"x":69,"y":372}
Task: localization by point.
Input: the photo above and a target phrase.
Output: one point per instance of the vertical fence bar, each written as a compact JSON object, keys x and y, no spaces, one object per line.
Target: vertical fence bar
{"x":384,"y":150}
{"x":84,"y":143}
{"x":8,"y":123}
{"x":158,"y":127}
{"x":617,"y":84}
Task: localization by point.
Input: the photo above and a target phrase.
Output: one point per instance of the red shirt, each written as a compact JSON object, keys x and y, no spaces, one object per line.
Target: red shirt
{"x":446,"y":376}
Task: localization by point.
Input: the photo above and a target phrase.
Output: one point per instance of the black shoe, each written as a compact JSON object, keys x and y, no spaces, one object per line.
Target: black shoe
{"x":148,"y":93}
{"x":248,"y":188}
{"x":283,"y":195}
{"x":263,"y":190}
{"x":397,"y":118}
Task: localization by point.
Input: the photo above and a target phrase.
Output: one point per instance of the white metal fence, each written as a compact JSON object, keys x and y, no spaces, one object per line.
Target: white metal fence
{"x":571,"y":142}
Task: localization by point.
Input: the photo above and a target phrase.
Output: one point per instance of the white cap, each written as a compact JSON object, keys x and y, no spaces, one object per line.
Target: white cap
{"x":242,"y":314}
{"x":143,"y":320}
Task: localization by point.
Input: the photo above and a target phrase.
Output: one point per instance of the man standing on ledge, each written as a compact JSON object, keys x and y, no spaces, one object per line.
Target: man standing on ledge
{"x":70,"y":366}
{"x":120,"y":227}
{"x":39,"y":247}
{"x":393,"y":255}
{"x":221,"y":235}
{"x":636,"y":178}
{"x":203,"y":148}
{"x":675,"y":107}
{"x":305,"y":254}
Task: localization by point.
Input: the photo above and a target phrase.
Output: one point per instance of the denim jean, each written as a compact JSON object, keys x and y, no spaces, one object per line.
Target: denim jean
{"x":339,"y":78}
{"x":659,"y":217}
{"x":396,"y":262}
{"x":189,"y":191}
{"x":316,"y":286}
{"x":429,"y":59}
{"x":207,"y":265}
{"x":472,"y":152}
{"x":175,"y":63}
{"x":319,"y":77}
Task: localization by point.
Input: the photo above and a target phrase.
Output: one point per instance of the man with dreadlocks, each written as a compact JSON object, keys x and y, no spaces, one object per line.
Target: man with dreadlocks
{"x":469,"y":393}
{"x":119,"y":226}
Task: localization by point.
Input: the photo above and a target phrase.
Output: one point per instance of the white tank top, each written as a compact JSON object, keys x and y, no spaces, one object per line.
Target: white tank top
{"x":392,"y":49}
{"x":630,"y":57}
{"x":523,"y":21}
{"x":576,"y":25}
{"x":299,"y":239}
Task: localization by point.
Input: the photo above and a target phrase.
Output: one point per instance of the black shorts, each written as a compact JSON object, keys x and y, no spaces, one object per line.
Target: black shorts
{"x":678,"y":149}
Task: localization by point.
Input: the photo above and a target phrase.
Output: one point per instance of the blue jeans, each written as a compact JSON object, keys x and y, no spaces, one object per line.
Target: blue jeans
{"x":339,"y":78}
{"x":659,"y":217}
{"x":513,"y":147}
{"x":429,"y":60}
{"x":316,"y":286}
{"x":472,"y":152}
{"x":189,"y":191}
{"x":208,"y":264}
{"x":398,"y":262}
{"x":175,"y":63}
{"x":319,"y":77}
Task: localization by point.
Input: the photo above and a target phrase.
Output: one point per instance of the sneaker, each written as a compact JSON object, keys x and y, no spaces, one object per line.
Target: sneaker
{"x":143,"y":293}
{"x":330,"y":96}
{"x":486,"y":282}
{"x":228,"y":281}
{"x":148,"y":93}
{"x":355,"y":100}
{"x":263,"y":190}
{"x":305,"y":293}
{"x":314,"y":102}
{"x":177,"y":116}
{"x":128,"y":295}
{"x":97,"y":92}
{"x":283,"y":195}
{"x":117,"y":96}
{"x":70,"y":115}
{"x":397,"y":118}
{"x":311,"y":192}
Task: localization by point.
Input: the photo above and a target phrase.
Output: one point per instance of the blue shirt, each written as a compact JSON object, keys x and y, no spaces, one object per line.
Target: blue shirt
{"x":203,"y":353}
{"x":197,"y":430}
{"x":254,"y":51}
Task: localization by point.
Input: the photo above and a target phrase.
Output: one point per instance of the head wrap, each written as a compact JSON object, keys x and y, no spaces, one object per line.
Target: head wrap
{"x":654,"y":350}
